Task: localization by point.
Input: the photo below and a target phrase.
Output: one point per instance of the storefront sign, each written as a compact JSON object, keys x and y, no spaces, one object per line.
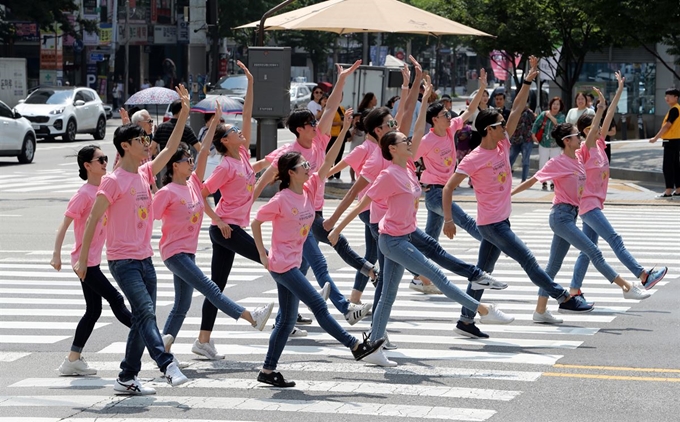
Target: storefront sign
{"x":182,"y":30}
{"x":139,"y":34}
{"x":105,"y":34}
{"x":165,"y":34}
{"x":51,"y":51}
{"x":26,"y":31}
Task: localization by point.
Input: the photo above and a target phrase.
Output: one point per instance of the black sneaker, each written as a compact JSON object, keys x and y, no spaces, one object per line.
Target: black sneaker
{"x":575,"y":305}
{"x":580,"y":294}
{"x":470,"y":330}
{"x":275,"y":379}
{"x":303,"y":321}
{"x":367,"y":347}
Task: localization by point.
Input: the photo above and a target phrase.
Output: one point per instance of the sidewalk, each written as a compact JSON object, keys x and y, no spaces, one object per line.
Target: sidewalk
{"x":636,"y":178}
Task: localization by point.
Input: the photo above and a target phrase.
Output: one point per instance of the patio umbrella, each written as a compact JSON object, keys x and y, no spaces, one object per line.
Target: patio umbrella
{"x":348,"y":16}
{"x":153,"y":95}
{"x":228,"y":104}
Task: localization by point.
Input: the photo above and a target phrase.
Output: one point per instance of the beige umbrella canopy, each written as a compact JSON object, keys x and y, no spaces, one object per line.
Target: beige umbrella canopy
{"x":347,"y":16}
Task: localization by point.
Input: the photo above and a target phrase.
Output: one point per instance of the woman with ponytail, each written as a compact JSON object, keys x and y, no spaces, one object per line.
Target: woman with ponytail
{"x":91,"y":167}
{"x":180,"y":206}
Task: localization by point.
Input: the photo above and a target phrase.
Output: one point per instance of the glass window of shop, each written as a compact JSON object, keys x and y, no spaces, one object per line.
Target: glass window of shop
{"x":638,"y":96}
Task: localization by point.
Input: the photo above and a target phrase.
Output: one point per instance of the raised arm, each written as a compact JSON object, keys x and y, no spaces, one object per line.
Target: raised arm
{"x":247,"y":105}
{"x":406,"y":79}
{"x":171,"y":147}
{"x":326,"y":121}
{"x":478,"y":97}
{"x":419,"y":129}
{"x":59,"y":241}
{"x":609,"y":117}
{"x":202,"y":158}
{"x":409,"y":104}
{"x":521,"y":99}
{"x":335,"y":149}
{"x":591,"y":138}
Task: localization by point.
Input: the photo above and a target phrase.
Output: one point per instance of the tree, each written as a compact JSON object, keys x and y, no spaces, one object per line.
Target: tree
{"x":317,"y":44}
{"x":233,"y":13}
{"x":48,"y":14}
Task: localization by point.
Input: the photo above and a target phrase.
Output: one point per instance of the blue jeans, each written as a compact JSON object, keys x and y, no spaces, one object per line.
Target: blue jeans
{"x":401,"y":253}
{"x":293,"y":287}
{"x":499,"y":237}
{"x":563,"y":224}
{"x":137,"y":279}
{"x":525,"y":148}
{"x":312,"y":254}
{"x":371,"y":255}
{"x":595,"y":225}
{"x":435,"y":215}
{"x":224,"y":251}
{"x":375,"y":232}
{"x":187,"y":277}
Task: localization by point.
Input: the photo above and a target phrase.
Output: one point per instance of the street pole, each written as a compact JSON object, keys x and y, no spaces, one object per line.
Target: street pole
{"x":268,"y":13}
{"x":127,"y":51}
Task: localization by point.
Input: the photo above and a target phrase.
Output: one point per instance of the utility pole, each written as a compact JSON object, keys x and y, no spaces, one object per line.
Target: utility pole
{"x":127,"y":51}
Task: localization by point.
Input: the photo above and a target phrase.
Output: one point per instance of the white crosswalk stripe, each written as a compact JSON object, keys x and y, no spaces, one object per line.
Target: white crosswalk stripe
{"x":440,"y":376}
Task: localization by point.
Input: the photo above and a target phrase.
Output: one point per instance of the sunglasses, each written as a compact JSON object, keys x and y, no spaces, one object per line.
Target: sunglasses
{"x":501,"y":124}
{"x":189,"y":160}
{"x":144,"y":140}
{"x":230,"y":130}
{"x":391,"y":124}
{"x":148,"y":121}
{"x":312,"y":123}
{"x":305,"y":165}
{"x":447,"y":114}
{"x":570,"y":135}
{"x":103,"y":159}
{"x":318,"y":92}
{"x":407,"y":141}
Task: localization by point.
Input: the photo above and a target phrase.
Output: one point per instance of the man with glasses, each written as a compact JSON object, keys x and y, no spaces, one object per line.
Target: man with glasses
{"x":165,"y":129}
{"x":142,"y":119}
{"x":125,"y":196}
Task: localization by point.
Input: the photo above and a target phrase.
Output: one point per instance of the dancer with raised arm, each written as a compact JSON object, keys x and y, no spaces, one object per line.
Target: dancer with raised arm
{"x":291,"y":212}
{"x":489,"y":168}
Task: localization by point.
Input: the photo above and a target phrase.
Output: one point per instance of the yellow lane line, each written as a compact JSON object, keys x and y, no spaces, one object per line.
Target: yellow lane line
{"x":617,"y":368}
{"x":610,"y":377}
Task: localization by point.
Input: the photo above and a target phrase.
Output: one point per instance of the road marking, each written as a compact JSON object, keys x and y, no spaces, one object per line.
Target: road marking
{"x":40,"y":339}
{"x":12,"y":356}
{"x":46,"y":325}
{"x":617,"y":368}
{"x":610,"y":377}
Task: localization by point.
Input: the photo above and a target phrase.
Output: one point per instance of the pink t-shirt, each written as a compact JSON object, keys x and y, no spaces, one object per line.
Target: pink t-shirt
{"x":357,"y":159}
{"x":180,"y":207}
{"x":400,"y":189}
{"x":78,"y":209}
{"x":490,"y":173}
{"x":372,"y":168}
{"x":292,"y":216}
{"x":315,"y":155}
{"x":597,"y":176}
{"x":235,"y":180}
{"x":569,"y":177}
{"x":130,"y":215}
{"x":439,"y":154}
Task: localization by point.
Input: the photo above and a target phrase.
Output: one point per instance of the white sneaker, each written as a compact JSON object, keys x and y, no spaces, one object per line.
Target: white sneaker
{"x":428,"y":289}
{"x":298,"y":333}
{"x":207,"y":350}
{"x":261,"y":316}
{"x":486,"y":281}
{"x":77,"y":367}
{"x":636,"y":292}
{"x":174,"y":376}
{"x":132,"y":387}
{"x":325,"y":291}
{"x":388,"y":345}
{"x":495,"y":316}
{"x":168,"y":339}
{"x":356,"y":313}
{"x":546,"y":318}
{"x":378,"y":358}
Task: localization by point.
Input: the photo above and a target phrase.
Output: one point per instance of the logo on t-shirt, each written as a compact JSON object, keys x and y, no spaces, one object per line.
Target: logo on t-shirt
{"x":448,"y":161}
{"x":104,"y":220}
{"x":133,"y":191}
{"x":194,"y":218}
{"x":304,"y":230}
{"x":143,"y":213}
{"x":605,"y":175}
{"x":294,"y":211}
{"x":249,"y":187}
{"x":502,"y":177}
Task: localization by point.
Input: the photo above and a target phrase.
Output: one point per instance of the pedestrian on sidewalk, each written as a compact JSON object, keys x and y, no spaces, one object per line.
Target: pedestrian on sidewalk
{"x":126,"y":195}
{"x":92,"y":167}
{"x":292,"y":213}
{"x":522,"y":141}
{"x":569,"y":174}
{"x":179,"y":204}
{"x":670,"y":134}
{"x":542,"y":133}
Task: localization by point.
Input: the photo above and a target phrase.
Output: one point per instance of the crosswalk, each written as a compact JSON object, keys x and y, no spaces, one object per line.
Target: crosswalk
{"x":440,"y":376}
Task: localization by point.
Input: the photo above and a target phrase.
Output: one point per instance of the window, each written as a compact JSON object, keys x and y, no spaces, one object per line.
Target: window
{"x":79,"y":97}
{"x":87,"y":96}
{"x":638,"y":95}
{"x":6,"y":112}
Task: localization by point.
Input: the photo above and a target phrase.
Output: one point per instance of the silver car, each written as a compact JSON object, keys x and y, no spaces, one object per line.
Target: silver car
{"x":18,"y":137}
{"x":64,"y":111}
{"x":300,"y":94}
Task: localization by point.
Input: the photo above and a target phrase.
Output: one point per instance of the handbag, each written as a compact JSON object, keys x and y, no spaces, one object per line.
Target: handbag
{"x":539,"y":134}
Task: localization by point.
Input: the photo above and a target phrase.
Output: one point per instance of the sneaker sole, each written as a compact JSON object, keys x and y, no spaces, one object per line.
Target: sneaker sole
{"x":569,"y":311}
{"x":415,"y":288}
{"x":651,"y":285}
{"x":202,"y":354}
{"x":376,"y":346}
{"x":303,"y":323}
{"x":477,"y":286}
{"x":548,"y":322}
{"x":466,"y":334}
{"x":76,"y":373}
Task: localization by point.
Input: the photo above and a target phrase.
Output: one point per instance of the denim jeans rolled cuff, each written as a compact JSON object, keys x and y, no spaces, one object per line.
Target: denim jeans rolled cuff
{"x":400,"y":253}
{"x":596,"y":225}
{"x":499,"y":237}
{"x":293,"y":287}
{"x":137,"y":280}
{"x":431,"y":249}
{"x":371,"y":255}
{"x":188,"y":276}
{"x":434,"y":225}
{"x":566,"y":234}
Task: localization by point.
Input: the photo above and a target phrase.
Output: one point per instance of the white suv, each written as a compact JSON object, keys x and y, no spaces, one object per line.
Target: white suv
{"x":18,"y":137}
{"x":64,"y":111}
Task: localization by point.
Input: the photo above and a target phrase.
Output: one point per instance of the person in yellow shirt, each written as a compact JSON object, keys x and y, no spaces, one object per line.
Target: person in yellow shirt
{"x":335,"y":131}
{"x":670,"y":134}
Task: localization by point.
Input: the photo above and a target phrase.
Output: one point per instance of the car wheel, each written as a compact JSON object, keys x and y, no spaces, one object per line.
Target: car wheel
{"x":100,"y":133}
{"x":70,"y":134}
{"x":27,"y":150}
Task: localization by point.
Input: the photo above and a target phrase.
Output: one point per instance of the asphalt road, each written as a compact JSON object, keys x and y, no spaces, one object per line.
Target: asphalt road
{"x":617,"y":364}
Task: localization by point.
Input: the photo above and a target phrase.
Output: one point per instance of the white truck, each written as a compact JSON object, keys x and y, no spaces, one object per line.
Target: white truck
{"x":384,"y":82}
{"x":13,"y":85}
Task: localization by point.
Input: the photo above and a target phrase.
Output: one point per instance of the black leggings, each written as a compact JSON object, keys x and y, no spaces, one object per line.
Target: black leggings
{"x":339,"y":157}
{"x":671,"y":163}
{"x":224,"y":251}
{"x":95,"y":287}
